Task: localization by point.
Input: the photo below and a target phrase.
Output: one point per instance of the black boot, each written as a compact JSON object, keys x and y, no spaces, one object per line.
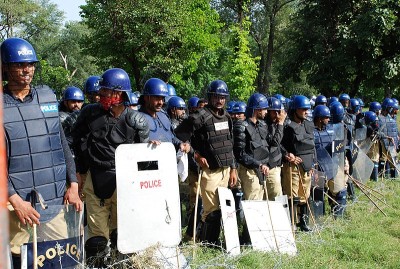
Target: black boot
{"x":350,"y":190}
{"x":211,"y":228}
{"x":393,"y":171}
{"x":374,"y":174}
{"x":303,"y":222}
{"x":94,"y":248}
{"x":340,"y":205}
{"x":387,"y":170}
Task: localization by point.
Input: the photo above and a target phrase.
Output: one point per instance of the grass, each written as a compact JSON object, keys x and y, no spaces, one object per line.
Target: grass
{"x":364,"y":238}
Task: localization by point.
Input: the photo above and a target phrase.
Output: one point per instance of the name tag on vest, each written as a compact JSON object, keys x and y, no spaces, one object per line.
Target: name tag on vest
{"x":221,"y":126}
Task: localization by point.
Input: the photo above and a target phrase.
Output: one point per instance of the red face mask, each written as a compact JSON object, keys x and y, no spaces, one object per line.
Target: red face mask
{"x":107,"y":102}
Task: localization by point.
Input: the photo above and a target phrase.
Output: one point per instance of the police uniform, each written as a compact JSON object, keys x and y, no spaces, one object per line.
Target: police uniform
{"x":273,"y":179}
{"x":210,"y":135}
{"x":389,"y":142}
{"x":38,"y":158}
{"x":298,"y":139}
{"x":251,"y":151}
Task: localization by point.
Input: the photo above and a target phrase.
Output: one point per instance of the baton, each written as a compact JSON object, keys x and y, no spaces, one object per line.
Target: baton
{"x":33,"y":204}
{"x":196,"y":205}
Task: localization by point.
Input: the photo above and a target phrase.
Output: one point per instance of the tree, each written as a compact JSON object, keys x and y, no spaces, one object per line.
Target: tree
{"x":344,"y":45}
{"x":152,"y":37}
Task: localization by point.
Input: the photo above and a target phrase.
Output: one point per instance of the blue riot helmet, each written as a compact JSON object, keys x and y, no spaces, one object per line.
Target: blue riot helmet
{"x":115,"y":79}
{"x":355,"y":106}
{"x":17,"y":50}
{"x":331,"y":100}
{"x":388,"y":105}
{"x":256,"y":101}
{"x":192,"y":102}
{"x":370,"y":117}
{"x":321,"y":111}
{"x":155,"y":87}
{"x":375,"y":107}
{"x":176,"y":102}
{"x":133,"y":99}
{"x":300,"y":102}
{"x":91,"y":85}
{"x":218,"y":87}
{"x":171,"y":90}
{"x":396,"y":104}
{"x":229,"y":106}
{"x":321,"y":100}
{"x":281,"y":98}
{"x":73,"y":93}
{"x":239,"y":107}
{"x":344,"y":96}
{"x":337,"y":112}
{"x":361,"y":102}
{"x":274,"y":104}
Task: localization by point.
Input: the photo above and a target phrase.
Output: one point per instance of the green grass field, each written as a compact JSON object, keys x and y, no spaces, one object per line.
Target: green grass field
{"x":364,"y":238}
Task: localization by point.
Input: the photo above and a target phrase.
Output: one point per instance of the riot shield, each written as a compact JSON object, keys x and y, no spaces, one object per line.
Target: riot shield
{"x":60,"y":242}
{"x":360,"y":134}
{"x":318,"y":181}
{"x":325,"y":162}
{"x":365,"y":145}
{"x":362,"y":166}
{"x":338,"y":156}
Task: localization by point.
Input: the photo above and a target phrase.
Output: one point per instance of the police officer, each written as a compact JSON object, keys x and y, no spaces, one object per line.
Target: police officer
{"x":389,"y":140}
{"x":176,"y":110}
{"x":99,"y":130}
{"x":70,"y":106}
{"x":238,"y":111}
{"x":275,"y":120}
{"x":192,"y":104}
{"x":151,"y":102}
{"x":298,"y":142}
{"x":371,"y":121}
{"x":210,"y":132}
{"x":91,"y":89}
{"x":251,"y":147}
{"x":337,"y":187}
{"x":323,"y":138}
{"x":321,"y":100}
{"x":375,"y":107}
{"x":31,"y":118}
{"x":133,"y":101}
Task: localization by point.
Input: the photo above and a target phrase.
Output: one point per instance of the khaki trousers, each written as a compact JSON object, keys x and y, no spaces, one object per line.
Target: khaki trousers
{"x":301,"y":182}
{"x":252,"y":190}
{"x":273,"y":180}
{"x":21,"y":234}
{"x":210,"y":181}
{"x":101,"y":219}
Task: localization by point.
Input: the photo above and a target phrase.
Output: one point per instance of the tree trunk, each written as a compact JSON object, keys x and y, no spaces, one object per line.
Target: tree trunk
{"x":270,"y":48}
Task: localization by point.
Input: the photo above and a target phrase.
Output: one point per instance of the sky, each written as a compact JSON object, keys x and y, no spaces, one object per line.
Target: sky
{"x":70,"y":8}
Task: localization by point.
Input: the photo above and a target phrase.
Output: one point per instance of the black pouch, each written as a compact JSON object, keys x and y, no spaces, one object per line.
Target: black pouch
{"x":104,"y":182}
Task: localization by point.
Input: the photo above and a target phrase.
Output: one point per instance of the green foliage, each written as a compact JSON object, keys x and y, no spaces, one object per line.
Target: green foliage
{"x":151,"y":38}
{"x":54,"y":77}
{"x":345,"y":46}
{"x":241,"y":68}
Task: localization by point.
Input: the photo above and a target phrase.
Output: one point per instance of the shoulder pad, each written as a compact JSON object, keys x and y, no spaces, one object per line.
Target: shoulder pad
{"x":138,"y":121}
{"x":240,"y":126}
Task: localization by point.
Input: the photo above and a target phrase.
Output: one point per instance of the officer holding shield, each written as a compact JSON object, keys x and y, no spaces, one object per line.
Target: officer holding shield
{"x":99,"y":130}
{"x":38,"y":155}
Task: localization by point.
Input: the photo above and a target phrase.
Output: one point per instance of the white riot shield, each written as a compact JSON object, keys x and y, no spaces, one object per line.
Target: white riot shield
{"x":338,"y":156}
{"x":59,"y":240}
{"x":363,"y":166}
{"x":264,"y":234}
{"x":147,"y":197}
{"x":228,"y":211}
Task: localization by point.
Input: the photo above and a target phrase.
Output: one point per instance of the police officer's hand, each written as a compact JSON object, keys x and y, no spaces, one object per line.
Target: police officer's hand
{"x":72,"y":197}
{"x":264,"y":169}
{"x":281,"y":116}
{"x":201,"y":160}
{"x":24,"y":210}
{"x":155,"y":142}
{"x":185,"y":147}
{"x":233,"y":177}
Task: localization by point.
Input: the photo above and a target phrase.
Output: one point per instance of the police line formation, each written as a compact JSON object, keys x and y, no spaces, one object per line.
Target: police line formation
{"x":64,"y":151}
